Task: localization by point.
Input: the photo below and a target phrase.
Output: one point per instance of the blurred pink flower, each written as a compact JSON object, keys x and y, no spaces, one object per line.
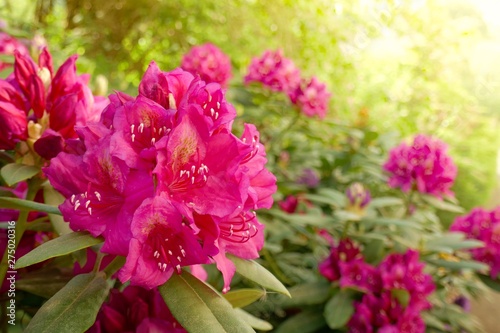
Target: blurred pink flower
{"x":482,"y":225}
{"x":424,"y":166}
{"x":312,"y":97}
{"x":209,"y":62}
{"x":274,"y":71}
{"x":8,"y":45}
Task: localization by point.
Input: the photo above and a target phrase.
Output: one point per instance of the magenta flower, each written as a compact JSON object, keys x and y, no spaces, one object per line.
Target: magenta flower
{"x":424,"y":166}
{"x":289,"y":205}
{"x":135,"y":310}
{"x":164,"y":180}
{"x":347,"y":252}
{"x":8,"y":45}
{"x":383,"y":313}
{"x":34,"y":87}
{"x":274,"y":71}
{"x":484,"y":226}
{"x":209,"y":62}
{"x":405,"y":271}
{"x":312,"y":97}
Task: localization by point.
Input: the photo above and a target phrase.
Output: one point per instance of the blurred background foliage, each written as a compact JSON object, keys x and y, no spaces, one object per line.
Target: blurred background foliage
{"x":396,"y":67}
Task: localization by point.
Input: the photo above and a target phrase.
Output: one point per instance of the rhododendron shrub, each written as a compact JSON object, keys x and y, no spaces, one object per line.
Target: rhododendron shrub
{"x":209,"y":62}
{"x":165,"y":181}
{"x":423,"y":166}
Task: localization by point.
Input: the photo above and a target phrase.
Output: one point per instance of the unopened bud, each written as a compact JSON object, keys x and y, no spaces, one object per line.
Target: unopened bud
{"x":359,"y":197}
{"x":44,"y":75}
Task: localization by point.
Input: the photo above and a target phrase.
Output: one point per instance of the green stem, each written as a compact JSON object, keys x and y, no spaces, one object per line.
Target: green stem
{"x":346,"y":228}
{"x":21,"y":224}
{"x":408,"y":203}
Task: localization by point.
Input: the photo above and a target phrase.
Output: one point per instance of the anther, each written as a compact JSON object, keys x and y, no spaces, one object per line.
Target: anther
{"x":77,"y":204}
{"x":90,"y":210}
{"x":73,"y":199}
{"x":141,"y":128}
{"x":87,"y":204}
{"x":133,"y":137}
{"x":132,"y":128}
{"x":98,"y":195}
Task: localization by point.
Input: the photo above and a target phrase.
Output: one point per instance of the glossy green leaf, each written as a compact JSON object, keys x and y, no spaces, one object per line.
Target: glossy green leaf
{"x":59,"y":246}
{"x":20,"y":204}
{"x":253,"y":321}
{"x":339,"y":309}
{"x":13,"y":173}
{"x":258,"y":274}
{"x":243,"y":297}
{"x":73,"y":308}
{"x":198,"y":308}
{"x":308,"y":294}
{"x":304,"y":322}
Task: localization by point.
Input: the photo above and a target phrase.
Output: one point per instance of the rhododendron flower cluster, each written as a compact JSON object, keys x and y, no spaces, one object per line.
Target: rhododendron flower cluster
{"x":279,"y":73}
{"x":8,"y":45}
{"x":209,"y":62}
{"x":424,"y":166}
{"x":482,"y":225}
{"x":164,"y":180}
{"x":135,"y":310}
{"x":379,"y":310}
{"x":59,"y":101}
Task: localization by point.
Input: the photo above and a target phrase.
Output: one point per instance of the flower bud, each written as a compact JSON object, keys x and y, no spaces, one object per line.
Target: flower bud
{"x":359,"y":197}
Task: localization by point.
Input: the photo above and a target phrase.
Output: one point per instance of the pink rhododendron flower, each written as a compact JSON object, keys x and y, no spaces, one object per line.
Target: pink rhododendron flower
{"x":135,"y":310}
{"x":346,"y":251}
{"x":424,"y":166}
{"x":59,"y":102}
{"x":8,"y":45}
{"x":164,"y":180}
{"x":209,"y":62}
{"x":312,"y":97}
{"x":482,"y":225}
{"x":274,"y":71}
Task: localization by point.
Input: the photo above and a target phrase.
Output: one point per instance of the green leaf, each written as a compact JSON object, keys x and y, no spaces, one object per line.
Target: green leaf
{"x":385,"y":201}
{"x":13,"y":173}
{"x":74,"y":307}
{"x":308,"y":294}
{"x":304,"y":322}
{"x":44,"y":283}
{"x":491,"y":283}
{"x":198,"y":308}
{"x":243,"y":297}
{"x":54,"y":198}
{"x":459,"y":265}
{"x":441,"y":204}
{"x":258,"y":274}
{"x":20,"y":204}
{"x":402,"y":295}
{"x":339,"y":309}
{"x":387,"y":221}
{"x":253,"y":321}
{"x":450,"y":242}
{"x":59,"y":246}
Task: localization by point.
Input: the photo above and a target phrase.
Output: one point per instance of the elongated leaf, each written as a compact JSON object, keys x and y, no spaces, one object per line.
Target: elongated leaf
{"x":487,"y":280}
{"x":392,"y":221}
{"x":243,"y":297}
{"x":304,"y":322}
{"x":54,"y":198}
{"x":339,"y":309}
{"x":73,"y":308}
{"x":13,"y":173}
{"x":308,"y":294}
{"x":59,"y":246}
{"x":450,"y":242}
{"x":21,"y":204}
{"x":443,"y":205}
{"x":385,"y":201}
{"x":459,"y":265}
{"x":258,"y":274}
{"x":44,"y":283}
{"x":253,"y":321}
{"x":198,"y":308}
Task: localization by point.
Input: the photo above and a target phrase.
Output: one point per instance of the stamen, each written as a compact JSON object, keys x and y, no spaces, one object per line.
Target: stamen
{"x":98,"y":195}
{"x":87,"y":204}
{"x":156,"y":254}
{"x":132,"y":128}
{"x":216,"y":115}
{"x":133,"y":137}
{"x":77,"y":204}
{"x":141,"y":128}
{"x":218,"y":105}
{"x":178,"y":269}
{"x":90,"y":210}
{"x":73,"y":199}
